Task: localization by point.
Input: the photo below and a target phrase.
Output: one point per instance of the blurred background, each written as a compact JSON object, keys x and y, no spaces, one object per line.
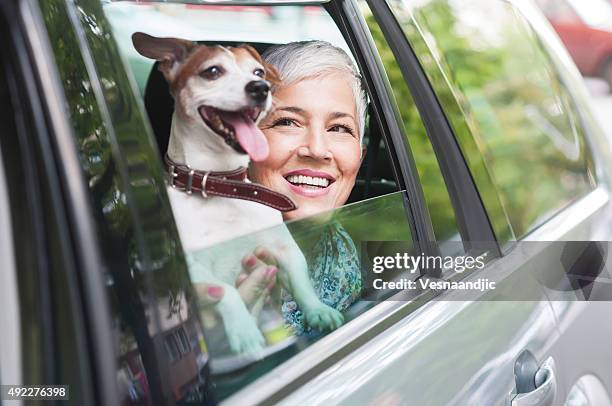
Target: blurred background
{"x":585,"y":27}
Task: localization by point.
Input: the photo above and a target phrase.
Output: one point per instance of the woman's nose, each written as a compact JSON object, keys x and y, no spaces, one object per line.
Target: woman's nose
{"x":315,"y":145}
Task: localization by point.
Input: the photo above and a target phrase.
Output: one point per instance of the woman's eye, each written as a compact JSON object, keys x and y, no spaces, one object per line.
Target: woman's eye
{"x":285,"y":122}
{"x":259,"y":72}
{"x":342,"y":129}
{"x":212,"y":72}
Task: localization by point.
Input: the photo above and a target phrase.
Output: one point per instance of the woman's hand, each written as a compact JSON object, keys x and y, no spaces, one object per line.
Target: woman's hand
{"x":208,"y":294}
{"x":258,"y":277}
{"x":254,"y":283}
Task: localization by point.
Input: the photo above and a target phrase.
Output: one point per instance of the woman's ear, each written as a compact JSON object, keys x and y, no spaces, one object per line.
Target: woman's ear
{"x":364,"y":150}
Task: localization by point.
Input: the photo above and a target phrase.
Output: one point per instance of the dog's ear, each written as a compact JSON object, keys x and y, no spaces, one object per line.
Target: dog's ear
{"x":272,"y":75}
{"x":168,"y":51}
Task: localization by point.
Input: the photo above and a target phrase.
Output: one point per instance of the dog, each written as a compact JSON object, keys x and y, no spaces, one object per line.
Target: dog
{"x":221,"y":94}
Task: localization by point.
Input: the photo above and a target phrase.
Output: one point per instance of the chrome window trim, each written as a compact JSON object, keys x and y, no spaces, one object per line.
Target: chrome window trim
{"x":10,"y":320}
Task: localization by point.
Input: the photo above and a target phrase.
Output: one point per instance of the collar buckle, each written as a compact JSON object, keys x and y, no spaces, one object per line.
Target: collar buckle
{"x":189,"y":185}
{"x":171,"y":175}
{"x":204,"y":179}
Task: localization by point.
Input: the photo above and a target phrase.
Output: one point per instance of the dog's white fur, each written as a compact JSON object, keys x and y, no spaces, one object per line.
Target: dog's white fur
{"x":204,"y":223}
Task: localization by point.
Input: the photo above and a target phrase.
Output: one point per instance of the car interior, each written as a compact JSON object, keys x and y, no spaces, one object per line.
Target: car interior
{"x":375,"y":177}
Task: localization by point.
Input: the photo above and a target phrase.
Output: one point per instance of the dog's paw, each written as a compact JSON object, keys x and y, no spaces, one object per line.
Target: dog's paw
{"x":323,"y":317}
{"x":245,"y":337}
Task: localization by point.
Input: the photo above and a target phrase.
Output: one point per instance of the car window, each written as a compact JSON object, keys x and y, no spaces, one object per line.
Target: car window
{"x":526,"y":131}
{"x":332,"y":242}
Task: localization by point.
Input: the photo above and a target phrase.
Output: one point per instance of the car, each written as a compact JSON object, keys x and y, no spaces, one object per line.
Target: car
{"x":585,"y":27}
{"x":480,"y":142}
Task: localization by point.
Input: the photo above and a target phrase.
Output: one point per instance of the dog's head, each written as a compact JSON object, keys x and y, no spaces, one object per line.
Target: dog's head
{"x":224,"y":89}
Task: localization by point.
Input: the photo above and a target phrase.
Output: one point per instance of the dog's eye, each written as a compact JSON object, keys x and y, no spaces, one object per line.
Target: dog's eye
{"x":259,"y":72}
{"x":212,"y":73}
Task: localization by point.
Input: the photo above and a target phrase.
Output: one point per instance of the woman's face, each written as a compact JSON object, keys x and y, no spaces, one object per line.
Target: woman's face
{"x":315,"y":151}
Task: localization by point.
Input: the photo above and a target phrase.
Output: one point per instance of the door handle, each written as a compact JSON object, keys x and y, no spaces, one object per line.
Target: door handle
{"x":545,"y":387}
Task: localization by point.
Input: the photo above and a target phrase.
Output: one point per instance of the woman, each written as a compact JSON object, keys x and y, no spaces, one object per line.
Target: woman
{"x":315,"y":134}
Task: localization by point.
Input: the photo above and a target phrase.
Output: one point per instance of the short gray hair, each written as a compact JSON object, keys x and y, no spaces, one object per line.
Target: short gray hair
{"x":301,"y":60}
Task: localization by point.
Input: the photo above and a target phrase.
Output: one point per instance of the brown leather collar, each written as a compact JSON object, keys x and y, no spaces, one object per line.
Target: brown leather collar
{"x":229,"y":184}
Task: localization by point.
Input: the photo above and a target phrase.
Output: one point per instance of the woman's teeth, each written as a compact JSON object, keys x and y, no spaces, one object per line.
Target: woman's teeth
{"x":308,"y":180}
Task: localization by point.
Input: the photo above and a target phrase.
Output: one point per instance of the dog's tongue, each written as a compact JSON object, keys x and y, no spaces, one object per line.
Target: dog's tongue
{"x":251,"y":139}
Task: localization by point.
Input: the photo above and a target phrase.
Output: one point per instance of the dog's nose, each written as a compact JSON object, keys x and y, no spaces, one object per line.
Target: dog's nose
{"x":258,"y":90}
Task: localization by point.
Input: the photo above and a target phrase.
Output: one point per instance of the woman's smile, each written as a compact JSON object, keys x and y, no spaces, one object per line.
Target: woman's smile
{"x":310,"y":183}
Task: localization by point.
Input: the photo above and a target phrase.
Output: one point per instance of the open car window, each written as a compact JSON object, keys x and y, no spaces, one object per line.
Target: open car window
{"x":332,"y":241}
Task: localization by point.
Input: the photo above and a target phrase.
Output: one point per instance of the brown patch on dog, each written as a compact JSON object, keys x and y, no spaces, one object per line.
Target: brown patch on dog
{"x":193,"y":64}
{"x":272,"y":75}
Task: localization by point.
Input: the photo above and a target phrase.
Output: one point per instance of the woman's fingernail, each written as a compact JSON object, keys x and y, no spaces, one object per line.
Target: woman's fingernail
{"x":251,"y":260}
{"x":271,"y":271}
{"x":215,"y":292}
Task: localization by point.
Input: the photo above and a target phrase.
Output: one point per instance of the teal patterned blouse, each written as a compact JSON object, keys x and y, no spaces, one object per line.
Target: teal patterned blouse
{"x":334,"y":272}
